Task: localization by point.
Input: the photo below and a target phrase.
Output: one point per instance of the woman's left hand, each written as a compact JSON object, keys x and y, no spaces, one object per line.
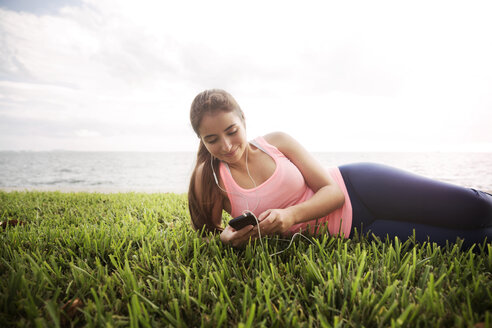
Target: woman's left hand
{"x":275,"y":221}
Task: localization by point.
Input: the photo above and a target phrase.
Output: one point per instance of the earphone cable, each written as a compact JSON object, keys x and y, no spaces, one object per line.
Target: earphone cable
{"x":257,"y":203}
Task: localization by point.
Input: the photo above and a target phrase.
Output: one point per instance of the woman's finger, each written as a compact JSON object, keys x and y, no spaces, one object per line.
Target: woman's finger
{"x":243,"y":240}
{"x":264,"y":215}
{"x":243,"y":235}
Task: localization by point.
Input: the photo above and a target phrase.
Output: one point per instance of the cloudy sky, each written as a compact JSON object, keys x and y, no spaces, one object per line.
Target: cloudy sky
{"x":351,"y":75}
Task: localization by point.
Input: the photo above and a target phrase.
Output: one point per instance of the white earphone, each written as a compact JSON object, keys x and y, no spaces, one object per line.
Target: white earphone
{"x":257,"y":202}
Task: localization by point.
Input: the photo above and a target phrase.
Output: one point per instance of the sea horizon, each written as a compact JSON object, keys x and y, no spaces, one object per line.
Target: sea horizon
{"x":162,"y":171}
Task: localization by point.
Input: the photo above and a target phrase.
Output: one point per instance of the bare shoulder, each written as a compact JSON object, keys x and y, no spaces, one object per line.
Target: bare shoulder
{"x":278,"y":138}
{"x":283,"y":141}
{"x":314,"y":173}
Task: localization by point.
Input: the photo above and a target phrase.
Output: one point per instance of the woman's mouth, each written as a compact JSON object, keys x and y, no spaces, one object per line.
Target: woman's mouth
{"x":232,"y":153}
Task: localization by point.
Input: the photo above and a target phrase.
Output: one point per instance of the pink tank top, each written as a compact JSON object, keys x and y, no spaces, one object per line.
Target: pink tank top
{"x":286,"y":187}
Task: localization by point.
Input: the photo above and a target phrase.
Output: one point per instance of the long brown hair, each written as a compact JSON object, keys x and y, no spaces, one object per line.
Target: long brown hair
{"x":201,"y":208}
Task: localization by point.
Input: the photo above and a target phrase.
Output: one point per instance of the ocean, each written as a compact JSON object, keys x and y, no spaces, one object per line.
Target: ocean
{"x":170,"y":171}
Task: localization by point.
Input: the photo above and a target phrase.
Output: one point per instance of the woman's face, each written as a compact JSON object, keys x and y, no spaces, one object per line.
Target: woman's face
{"x":224,"y":135}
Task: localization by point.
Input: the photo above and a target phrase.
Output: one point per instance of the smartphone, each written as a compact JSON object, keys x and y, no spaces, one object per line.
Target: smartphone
{"x":243,"y":220}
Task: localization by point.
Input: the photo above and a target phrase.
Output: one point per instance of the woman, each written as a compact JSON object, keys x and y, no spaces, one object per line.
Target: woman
{"x":275,"y":178}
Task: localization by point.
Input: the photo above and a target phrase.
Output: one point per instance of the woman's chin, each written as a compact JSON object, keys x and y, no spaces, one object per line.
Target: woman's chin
{"x":233,"y":158}
{"x":230,"y":160}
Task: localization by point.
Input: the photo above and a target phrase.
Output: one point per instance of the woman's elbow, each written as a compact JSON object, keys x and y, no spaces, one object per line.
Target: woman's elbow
{"x":340,"y":198}
{"x":336,"y":196}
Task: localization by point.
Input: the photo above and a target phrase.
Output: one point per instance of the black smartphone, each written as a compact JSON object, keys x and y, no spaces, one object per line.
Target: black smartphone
{"x":243,"y":220}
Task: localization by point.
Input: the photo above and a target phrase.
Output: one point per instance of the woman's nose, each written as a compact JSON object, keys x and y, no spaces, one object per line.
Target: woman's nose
{"x":226,"y":145}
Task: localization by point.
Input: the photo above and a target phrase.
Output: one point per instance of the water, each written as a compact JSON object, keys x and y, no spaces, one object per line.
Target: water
{"x":170,"y":172}
{"x":96,"y":171}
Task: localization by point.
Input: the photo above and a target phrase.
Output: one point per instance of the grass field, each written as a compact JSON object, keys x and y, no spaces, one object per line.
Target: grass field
{"x":117,"y":260}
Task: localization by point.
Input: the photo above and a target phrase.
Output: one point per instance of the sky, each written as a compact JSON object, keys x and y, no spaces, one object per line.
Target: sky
{"x":101,"y":75}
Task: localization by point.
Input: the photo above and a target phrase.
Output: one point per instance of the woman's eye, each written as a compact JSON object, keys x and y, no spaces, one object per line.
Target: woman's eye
{"x":215,"y":140}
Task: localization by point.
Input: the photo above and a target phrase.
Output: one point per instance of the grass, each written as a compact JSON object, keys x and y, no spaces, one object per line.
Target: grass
{"x":132,"y":260}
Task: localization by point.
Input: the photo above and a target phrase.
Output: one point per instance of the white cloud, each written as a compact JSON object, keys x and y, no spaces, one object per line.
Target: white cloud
{"x":83,"y":133}
{"x":354,"y":75}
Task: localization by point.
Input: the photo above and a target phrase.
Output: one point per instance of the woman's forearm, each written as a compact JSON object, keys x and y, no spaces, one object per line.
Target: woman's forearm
{"x":324,"y":201}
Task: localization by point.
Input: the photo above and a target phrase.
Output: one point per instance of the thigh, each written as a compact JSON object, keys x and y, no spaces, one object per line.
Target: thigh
{"x":396,"y":195}
{"x":424,"y":232}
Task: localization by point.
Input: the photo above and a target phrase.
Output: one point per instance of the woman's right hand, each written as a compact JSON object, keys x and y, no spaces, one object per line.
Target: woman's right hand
{"x":236,"y":238}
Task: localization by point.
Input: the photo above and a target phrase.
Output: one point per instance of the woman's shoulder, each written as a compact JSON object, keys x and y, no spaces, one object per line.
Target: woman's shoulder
{"x":287,"y":145}
{"x":279,"y":139}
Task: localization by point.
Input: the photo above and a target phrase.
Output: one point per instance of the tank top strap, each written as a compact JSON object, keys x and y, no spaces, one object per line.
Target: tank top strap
{"x":270,"y":149}
{"x":262,"y":145}
{"x":258,"y":142}
{"x":257,"y":145}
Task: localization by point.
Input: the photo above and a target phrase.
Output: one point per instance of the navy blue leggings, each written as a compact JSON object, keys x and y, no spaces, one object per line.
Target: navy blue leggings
{"x":391,"y":202}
